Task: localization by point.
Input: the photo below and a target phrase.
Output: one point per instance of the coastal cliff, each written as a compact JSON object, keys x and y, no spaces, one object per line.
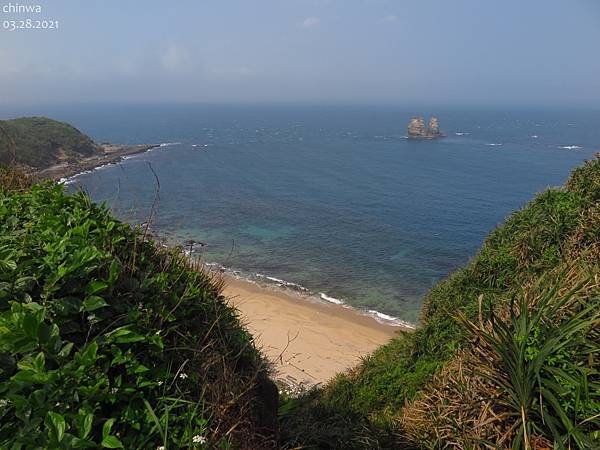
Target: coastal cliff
{"x":418,"y":130}
{"x":53,"y":149}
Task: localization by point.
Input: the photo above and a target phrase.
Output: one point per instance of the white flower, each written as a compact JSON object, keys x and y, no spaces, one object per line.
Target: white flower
{"x":199,"y":439}
{"x":160,"y":383}
{"x":114,"y":390}
{"x":160,"y":447}
{"x":3,"y":403}
{"x":183,"y":376}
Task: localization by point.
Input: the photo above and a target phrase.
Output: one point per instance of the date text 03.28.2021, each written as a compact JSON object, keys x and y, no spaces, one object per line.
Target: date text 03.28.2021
{"x":29,"y":24}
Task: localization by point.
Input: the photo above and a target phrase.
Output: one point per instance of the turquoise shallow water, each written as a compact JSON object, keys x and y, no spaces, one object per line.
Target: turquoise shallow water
{"x":333,"y":198}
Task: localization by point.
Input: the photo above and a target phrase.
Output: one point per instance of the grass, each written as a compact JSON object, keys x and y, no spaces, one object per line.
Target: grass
{"x":558,"y":229}
{"x":108,"y":340}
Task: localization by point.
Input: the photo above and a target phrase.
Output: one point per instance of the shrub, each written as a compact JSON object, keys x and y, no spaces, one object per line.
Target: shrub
{"x":541,"y":359}
{"x":108,"y":340}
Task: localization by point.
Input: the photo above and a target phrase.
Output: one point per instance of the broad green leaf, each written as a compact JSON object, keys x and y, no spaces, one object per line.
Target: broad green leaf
{"x":111,"y":442}
{"x":31,"y":325}
{"x":93,"y":302}
{"x":124,"y":335}
{"x":140,"y":368}
{"x":25,"y":376}
{"x":87,"y":424}
{"x":64,"y":352}
{"x":88,"y":357}
{"x":107,"y":427}
{"x":96,"y":286}
{"x":156,"y":340}
{"x":56,"y":422}
{"x":84,"y":423}
{"x":39,"y":362}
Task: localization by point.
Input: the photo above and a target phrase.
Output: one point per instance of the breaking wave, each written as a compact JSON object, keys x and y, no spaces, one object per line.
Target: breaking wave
{"x":380,"y":317}
{"x":169,"y":144}
{"x":329,"y":299}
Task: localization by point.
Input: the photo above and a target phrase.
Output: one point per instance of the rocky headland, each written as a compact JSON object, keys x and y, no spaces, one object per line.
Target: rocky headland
{"x":48,"y":148}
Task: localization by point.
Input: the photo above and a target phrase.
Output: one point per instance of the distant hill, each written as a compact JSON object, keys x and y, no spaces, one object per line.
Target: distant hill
{"x":40,"y":142}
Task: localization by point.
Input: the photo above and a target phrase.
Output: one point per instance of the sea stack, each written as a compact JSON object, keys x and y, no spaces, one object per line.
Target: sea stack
{"x":417,"y":130}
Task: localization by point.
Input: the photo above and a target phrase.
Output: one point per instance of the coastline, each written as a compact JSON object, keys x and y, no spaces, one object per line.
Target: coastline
{"x":308,"y":337}
{"x":308,"y":341}
{"x":111,"y":154}
{"x":298,"y":291}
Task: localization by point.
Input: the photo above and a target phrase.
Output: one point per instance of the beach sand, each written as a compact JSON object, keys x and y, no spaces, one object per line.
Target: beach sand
{"x":308,"y":341}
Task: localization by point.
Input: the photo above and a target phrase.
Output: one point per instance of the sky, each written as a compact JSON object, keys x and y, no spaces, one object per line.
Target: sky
{"x":465,"y":52}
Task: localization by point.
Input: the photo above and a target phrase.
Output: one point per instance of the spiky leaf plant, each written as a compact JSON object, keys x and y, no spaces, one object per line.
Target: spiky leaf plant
{"x":542,"y":359}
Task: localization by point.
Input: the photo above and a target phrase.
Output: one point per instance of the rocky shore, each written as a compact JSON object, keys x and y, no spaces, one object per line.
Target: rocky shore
{"x":108,"y":154}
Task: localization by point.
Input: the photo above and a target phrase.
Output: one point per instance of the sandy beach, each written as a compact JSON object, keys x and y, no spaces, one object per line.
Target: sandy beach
{"x":307,"y":340}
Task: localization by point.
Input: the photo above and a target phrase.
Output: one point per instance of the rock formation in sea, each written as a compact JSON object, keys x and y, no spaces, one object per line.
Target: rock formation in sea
{"x":434,"y":126}
{"x":417,"y":129}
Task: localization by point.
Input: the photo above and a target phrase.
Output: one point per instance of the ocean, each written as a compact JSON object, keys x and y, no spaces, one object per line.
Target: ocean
{"x":332,"y":198}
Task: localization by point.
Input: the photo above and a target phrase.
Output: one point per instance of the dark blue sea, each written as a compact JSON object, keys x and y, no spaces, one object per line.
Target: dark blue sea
{"x":333,"y":198}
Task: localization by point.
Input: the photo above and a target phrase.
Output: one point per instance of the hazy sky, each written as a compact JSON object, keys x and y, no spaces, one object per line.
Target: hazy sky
{"x":522,"y":52}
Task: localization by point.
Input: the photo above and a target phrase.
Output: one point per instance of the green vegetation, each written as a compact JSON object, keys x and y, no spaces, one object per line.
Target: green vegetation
{"x":107,"y":340}
{"x":532,"y":359}
{"x":40,"y":142}
{"x":541,"y":364}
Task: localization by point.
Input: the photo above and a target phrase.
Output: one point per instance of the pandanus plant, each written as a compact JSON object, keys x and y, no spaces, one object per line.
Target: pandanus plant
{"x":543,"y":355}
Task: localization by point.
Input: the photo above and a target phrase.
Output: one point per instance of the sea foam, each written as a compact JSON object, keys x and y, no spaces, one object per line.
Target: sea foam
{"x":390,"y":320}
{"x":329,"y":299}
{"x":280,"y":282}
{"x":169,"y":144}
{"x":103,"y":166}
